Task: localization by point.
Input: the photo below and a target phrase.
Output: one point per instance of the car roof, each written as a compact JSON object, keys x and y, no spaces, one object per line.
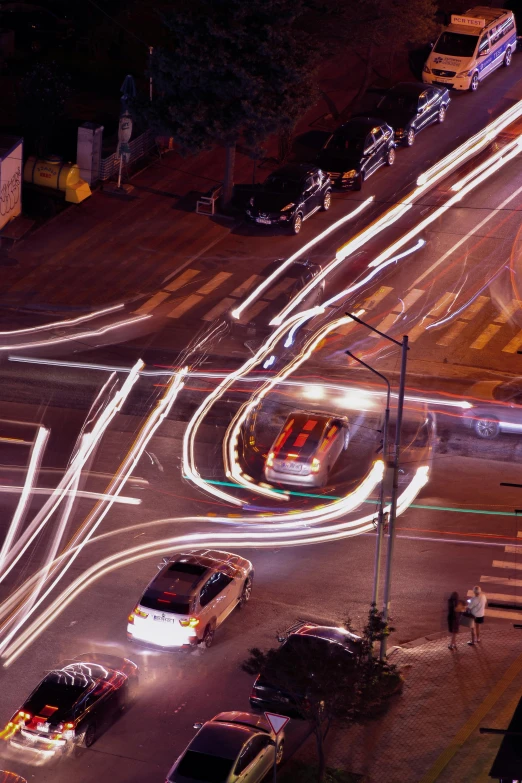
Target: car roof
{"x":187,"y":570}
{"x":258,"y":722}
{"x":360,"y":124}
{"x":295,"y":170}
{"x":329,"y":633}
{"x":221,"y":739}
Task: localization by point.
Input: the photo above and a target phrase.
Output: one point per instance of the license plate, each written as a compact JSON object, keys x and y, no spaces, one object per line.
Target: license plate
{"x":293,"y":466}
{"x":160,"y":618}
{"x":263,"y":220}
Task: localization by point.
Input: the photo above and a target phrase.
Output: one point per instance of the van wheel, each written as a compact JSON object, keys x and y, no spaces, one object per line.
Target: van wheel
{"x":442,"y":114}
{"x":507,"y":58}
{"x":208,"y":636}
{"x":410,"y":138}
{"x":390,"y":157}
{"x":327,"y":201}
{"x":474,"y":82}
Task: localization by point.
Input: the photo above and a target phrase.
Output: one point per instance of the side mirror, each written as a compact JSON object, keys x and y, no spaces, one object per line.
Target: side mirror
{"x":483,"y":54}
{"x":198,"y":726}
{"x":164,"y":562}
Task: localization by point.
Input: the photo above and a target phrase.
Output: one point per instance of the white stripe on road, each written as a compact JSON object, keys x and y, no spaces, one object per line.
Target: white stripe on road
{"x":484,"y":337}
{"x":509,"y":599}
{"x":514,"y":344}
{"x":507,"y":564}
{"x":504,"y":614}
{"x":507,"y":581}
{"x":216,"y":281}
{"x":454,"y":331}
{"x":151,"y":303}
{"x":182,"y":280}
{"x":508,"y":311}
{"x":474,"y":308}
{"x":219,"y":309}
{"x":184,"y":305}
{"x":245,"y":286}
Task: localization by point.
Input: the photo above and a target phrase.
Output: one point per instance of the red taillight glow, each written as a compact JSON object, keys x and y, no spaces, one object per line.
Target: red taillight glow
{"x":270,"y":459}
{"x":316,"y":464}
{"x":190,"y":623}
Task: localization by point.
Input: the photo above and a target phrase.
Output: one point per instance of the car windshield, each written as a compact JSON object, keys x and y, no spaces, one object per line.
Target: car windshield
{"x":456,"y":44}
{"x":278,"y":184}
{"x":164,"y":602}
{"x":204,"y":767}
{"x":399,"y":103}
{"x":344,"y":142}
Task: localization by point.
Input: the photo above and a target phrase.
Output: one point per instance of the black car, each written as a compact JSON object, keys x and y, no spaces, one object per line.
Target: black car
{"x":266,"y":696}
{"x":74,"y":704}
{"x":290,"y":195}
{"x":357,"y":149}
{"x":409,"y":107}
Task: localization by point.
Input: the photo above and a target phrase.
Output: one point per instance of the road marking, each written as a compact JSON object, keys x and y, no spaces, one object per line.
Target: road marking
{"x":513,"y":550}
{"x":377,"y":297}
{"x":151,"y":303}
{"x":245,"y":286}
{"x":249,"y":315}
{"x":214,"y":282}
{"x":278,"y":289}
{"x":514,"y":344}
{"x":184,"y":305}
{"x":442,"y":303}
{"x":219,"y":309}
{"x":399,"y":308}
{"x":452,"y":332}
{"x":508,"y":581}
{"x":418,"y":330}
{"x":386,"y":323}
{"x":474,"y":308}
{"x":410,"y":299}
{"x":508,"y":311}
{"x":512,"y":599}
{"x":182,"y":280}
{"x":507,"y":564}
{"x":485,"y":336}
{"x":474,"y":230}
{"x":502,"y":614}
{"x":473,"y":722}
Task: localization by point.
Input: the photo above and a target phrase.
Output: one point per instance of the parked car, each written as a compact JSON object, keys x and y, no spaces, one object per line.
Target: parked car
{"x":74,"y":704}
{"x":233,"y":747}
{"x":267,"y":696}
{"x":357,"y":149}
{"x":306,"y":449}
{"x":289,"y":196}
{"x":191,"y":596}
{"x":409,"y":107}
{"x":496,"y":407}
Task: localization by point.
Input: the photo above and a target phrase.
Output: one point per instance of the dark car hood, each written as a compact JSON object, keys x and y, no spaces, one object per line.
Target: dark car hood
{"x":338,"y":161}
{"x":397,"y":118}
{"x":268,"y":201}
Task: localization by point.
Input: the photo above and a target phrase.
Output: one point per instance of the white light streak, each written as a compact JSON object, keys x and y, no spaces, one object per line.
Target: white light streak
{"x":68,"y":322}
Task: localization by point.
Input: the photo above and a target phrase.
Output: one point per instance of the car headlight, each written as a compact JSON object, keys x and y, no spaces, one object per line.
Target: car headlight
{"x":288,"y":206}
{"x":462,"y":74}
{"x":426,"y":69}
{"x":349,"y":174}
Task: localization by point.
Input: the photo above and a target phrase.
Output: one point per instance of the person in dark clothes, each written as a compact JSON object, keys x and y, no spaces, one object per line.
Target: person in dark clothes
{"x":455,"y":607}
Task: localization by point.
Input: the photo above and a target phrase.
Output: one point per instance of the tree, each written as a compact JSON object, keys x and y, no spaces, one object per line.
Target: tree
{"x":42,"y":94}
{"x":233,"y":71}
{"x":329,"y":684}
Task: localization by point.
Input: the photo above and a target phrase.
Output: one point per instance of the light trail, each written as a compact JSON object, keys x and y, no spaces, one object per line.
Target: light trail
{"x":76,"y":335}
{"x":236,"y":313}
{"x":79,"y":493}
{"x":67,"y":322}
{"x":248,"y":539}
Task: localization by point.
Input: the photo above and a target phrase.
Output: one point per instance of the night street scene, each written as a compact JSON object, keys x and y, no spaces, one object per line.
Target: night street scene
{"x":260,"y":474}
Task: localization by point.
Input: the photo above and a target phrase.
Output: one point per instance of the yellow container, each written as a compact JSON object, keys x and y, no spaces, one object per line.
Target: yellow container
{"x":56,"y":174}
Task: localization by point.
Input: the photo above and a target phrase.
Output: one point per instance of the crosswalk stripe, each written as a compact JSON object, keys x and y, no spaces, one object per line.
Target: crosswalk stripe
{"x":508,"y":311}
{"x":484,"y":337}
{"x":252,"y":312}
{"x":409,"y":300}
{"x":474,"y":308}
{"x":508,"y":581}
{"x":386,"y":323}
{"x":278,"y":289}
{"x":503,"y":614}
{"x":184,"y":278}
{"x":152,"y":303}
{"x":452,"y":332}
{"x":442,"y":303}
{"x":418,"y":330}
{"x":184,"y":305}
{"x":377,"y":297}
{"x":245,"y":286}
{"x":219,"y":309}
{"x":507,"y":564}
{"x":214,"y":282}
{"x":514,"y":344}
{"x":512,"y":599}
{"x":513,"y":550}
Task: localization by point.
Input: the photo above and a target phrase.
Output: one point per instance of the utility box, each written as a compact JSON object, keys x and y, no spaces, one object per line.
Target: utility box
{"x":11,"y":152}
{"x":88,"y":151}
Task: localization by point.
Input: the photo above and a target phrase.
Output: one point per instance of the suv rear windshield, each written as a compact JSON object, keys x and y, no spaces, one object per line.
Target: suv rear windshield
{"x":153,"y":599}
{"x":204,"y":767}
{"x":456,"y":44}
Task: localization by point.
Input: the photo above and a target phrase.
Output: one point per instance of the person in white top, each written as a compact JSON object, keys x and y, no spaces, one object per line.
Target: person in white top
{"x":477,"y":607}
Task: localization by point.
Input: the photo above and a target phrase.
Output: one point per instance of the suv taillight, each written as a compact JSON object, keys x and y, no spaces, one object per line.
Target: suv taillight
{"x":316,"y":464}
{"x":270,"y":460}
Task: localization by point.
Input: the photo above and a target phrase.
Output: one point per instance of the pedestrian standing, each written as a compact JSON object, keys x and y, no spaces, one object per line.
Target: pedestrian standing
{"x":477,"y":607}
{"x":455,"y":607}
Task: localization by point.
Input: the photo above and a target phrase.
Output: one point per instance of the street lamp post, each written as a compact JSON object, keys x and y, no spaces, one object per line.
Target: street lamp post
{"x":396,"y":460}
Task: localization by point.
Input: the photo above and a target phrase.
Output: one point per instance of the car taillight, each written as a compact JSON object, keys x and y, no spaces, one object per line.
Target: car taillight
{"x":25,"y":716}
{"x":190,"y":623}
{"x":270,"y":459}
{"x":140,"y":613}
{"x":130,"y":618}
{"x":316,"y":464}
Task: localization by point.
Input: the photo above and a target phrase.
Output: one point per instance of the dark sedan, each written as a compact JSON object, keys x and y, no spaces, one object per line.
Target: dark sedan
{"x":289,"y":196}
{"x":73,"y":704}
{"x":267,"y":696}
{"x":409,"y":107}
{"x":357,"y":149}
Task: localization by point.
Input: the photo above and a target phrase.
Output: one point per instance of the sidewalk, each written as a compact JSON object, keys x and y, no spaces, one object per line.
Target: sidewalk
{"x":431,"y":732}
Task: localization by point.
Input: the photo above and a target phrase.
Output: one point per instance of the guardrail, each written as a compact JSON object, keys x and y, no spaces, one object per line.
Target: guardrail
{"x":139,"y":147}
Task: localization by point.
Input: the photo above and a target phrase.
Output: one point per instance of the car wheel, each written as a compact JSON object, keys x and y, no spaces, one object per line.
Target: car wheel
{"x":327,"y":201}
{"x":297,"y":223}
{"x":85,"y":740}
{"x":390,"y":157}
{"x":474,"y":82}
{"x":507,"y":58}
{"x":247,"y":592}
{"x":208,"y":636}
{"x":279,"y":752}
{"x":487,"y":428}
{"x":442,"y":114}
{"x":410,"y":138}
{"x":358,"y":182}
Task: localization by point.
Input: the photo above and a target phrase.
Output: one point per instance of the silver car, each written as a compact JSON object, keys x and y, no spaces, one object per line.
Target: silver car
{"x":232,"y":747}
{"x":496,"y":407}
{"x":306,"y":449}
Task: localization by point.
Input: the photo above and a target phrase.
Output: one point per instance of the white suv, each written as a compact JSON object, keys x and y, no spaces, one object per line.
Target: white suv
{"x":189,"y":598}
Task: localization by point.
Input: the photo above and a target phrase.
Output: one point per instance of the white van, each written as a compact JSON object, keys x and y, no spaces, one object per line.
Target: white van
{"x":471,"y":47}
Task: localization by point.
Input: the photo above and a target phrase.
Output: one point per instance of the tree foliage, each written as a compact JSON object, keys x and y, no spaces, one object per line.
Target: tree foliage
{"x":330,"y":685}
{"x":42,"y":95}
